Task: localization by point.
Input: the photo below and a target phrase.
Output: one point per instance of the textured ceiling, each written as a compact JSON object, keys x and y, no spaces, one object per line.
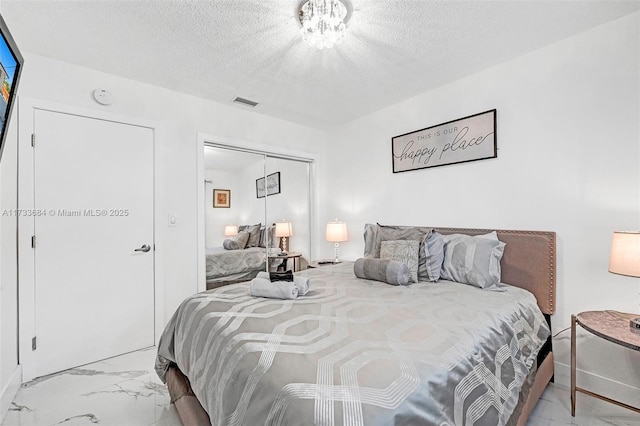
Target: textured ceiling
{"x":220,"y":49}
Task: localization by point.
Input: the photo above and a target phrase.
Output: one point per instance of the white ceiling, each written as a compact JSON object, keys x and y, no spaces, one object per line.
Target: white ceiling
{"x":220,"y":49}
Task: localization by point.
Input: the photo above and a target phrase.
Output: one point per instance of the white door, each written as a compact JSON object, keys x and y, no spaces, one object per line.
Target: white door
{"x":94,"y":293}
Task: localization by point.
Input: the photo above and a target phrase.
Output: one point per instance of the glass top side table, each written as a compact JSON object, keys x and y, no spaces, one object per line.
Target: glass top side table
{"x":609,"y":325}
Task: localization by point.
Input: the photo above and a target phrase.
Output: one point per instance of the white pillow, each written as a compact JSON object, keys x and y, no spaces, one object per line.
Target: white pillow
{"x":405,"y":251}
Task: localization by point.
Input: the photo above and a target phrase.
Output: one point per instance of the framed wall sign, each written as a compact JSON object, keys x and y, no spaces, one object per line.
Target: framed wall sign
{"x":271,"y":187}
{"x":465,"y":139}
{"x":222,"y":198}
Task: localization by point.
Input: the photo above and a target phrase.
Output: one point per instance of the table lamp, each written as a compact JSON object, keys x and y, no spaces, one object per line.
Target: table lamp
{"x":283,"y":230}
{"x":336,"y":233}
{"x":230,"y":230}
{"x":625,"y":258}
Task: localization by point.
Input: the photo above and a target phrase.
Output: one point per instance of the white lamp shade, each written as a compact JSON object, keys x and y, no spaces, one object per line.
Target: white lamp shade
{"x":283,"y":229}
{"x":625,"y":253}
{"x":336,"y":232}
{"x":230,"y":230}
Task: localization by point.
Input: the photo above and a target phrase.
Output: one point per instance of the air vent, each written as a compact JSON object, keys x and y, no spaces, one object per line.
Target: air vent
{"x":244,"y":101}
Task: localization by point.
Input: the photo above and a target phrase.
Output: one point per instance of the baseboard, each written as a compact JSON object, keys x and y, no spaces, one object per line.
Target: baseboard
{"x":9,"y":392}
{"x":619,"y":391}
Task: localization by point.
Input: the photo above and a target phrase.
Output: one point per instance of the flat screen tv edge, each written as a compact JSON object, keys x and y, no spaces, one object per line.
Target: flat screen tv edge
{"x":11,"y":62}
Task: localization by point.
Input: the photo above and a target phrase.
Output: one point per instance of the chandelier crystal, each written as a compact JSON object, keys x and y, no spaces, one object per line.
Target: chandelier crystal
{"x":323,"y":23}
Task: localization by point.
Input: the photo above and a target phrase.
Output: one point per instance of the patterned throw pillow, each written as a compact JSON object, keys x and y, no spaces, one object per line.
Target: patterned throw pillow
{"x":472,"y":260}
{"x":405,"y":251}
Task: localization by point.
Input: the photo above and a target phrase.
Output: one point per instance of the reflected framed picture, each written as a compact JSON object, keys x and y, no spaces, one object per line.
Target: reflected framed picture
{"x":222,"y":198}
{"x":271,"y":187}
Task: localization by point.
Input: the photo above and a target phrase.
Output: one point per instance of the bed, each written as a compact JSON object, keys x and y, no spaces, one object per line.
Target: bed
{"x":225,"y":267}
{"x":357,"y":351}
{"x":232,"y":264}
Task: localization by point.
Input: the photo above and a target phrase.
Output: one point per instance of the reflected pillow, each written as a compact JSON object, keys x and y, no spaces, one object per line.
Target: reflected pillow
{"x":472,"y":260}
{"x":254,"y":234}
{"x":269,"y":232}
{"x":405,"y":251}
{"x":237,"y":242}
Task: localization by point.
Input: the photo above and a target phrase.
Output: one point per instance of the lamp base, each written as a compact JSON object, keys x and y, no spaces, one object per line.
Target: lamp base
{"x":635,"y":323}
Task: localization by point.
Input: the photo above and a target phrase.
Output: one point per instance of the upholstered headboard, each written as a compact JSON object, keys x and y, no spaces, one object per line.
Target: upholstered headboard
{"x":529,"y":261}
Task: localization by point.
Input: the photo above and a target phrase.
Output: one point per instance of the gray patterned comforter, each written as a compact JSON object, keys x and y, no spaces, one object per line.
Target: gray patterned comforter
{"x":234,"y":264}
{"x":357,"y":352}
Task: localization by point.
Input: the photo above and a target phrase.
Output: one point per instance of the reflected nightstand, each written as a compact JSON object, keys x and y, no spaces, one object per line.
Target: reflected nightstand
{"x":290,"y":255}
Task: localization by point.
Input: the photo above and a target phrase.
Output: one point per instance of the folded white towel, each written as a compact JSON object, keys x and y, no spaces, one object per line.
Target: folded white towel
{"x":302,"y":283}
{"x":261,"y":287}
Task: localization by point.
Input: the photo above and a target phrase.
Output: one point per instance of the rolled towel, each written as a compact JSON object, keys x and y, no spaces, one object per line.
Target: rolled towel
{"x":302,"y":283}
{"x":261,"y":287}
{"x":388,"y":271}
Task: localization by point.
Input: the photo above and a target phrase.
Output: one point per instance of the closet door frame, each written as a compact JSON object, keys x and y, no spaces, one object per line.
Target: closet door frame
{"x":256,"y":148}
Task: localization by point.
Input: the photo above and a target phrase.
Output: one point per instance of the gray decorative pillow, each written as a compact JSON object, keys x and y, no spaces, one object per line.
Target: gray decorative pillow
{"x":405,"y":251}
{"x":270,"y":232}
{"x":254,"y":234}
{"x":434,"y":254}
{"x":238,"y":242}
{"x":374,"y":235}
{"x":388,"y":271}
{"x":370,"y":233}
{"x":472,"y":260}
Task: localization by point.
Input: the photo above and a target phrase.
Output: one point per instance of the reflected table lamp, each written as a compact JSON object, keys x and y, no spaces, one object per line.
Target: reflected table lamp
{"x":625,"y":258}
{"x":230,"y":230}
{"x":283,"y":230}
{"x":336,"y":233}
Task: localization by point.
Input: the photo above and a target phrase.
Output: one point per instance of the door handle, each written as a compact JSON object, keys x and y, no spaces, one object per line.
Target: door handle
{"x":145,"y":248}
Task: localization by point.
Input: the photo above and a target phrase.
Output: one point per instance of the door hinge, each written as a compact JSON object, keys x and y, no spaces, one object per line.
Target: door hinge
{"x":33,"y":139}
{"x":33,"y":241}
{"x":33,"y":343}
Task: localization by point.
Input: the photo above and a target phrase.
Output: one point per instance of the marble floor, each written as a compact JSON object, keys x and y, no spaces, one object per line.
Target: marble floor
{"x":125,"y":391}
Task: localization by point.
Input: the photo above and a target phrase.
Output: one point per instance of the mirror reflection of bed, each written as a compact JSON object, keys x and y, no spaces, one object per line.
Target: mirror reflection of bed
{"x":240,"y":235}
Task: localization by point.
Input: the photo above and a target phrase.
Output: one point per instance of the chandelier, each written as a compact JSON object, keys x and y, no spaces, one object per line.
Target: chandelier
{"x":323,"y":22}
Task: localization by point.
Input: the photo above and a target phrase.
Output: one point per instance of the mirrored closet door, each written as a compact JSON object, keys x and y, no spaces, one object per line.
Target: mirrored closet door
{"x":257,"y":214}
{"x":288,"y":208}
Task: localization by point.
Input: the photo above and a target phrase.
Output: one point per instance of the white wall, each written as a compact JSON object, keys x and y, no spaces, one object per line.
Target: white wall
{"x":568,"y":161}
